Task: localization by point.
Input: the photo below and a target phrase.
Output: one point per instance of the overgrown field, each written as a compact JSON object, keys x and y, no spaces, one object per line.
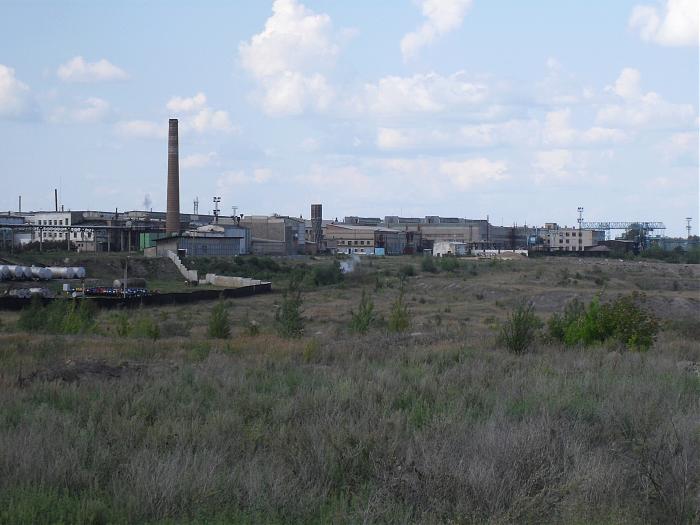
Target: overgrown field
{"x":400,"y":407}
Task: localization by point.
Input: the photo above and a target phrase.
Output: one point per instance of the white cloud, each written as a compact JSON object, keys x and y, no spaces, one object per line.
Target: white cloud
{"x":78,"y":70}
{"x":287,"y":59}
{"x":473,"y":172}
{"x":196,"y":115}
{"x":261,"y":175}
{"x":638,"y":109}
{"x":677,"y":25}
{"x":185,"y":104}
{"x":292,"y":93}
{"x":512,"y":132}
{"x":560,"y":87}
{"x":681,"y":146}
{"x":92,"y":110}
{"x":559,"y":132}
{"x":142,"y":129}
{"x":199,"y":160}
{"x":442,"y":16}
{"x":228,"y":182}
{"x":15,"y":97}
{"x":556,"y":165}
{"x":423,"y":93}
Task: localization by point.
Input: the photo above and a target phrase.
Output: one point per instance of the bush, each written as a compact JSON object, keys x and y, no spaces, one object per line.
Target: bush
{"x":428,"y":265}
{"x":449,"y":264}
{"x":59,"y":317}
{"x":621,"y":320}
{"x":218,"y":322}
{"x":288,"y":317}
{"x":145,"y":327}
{"x":399,"y":319}
{"x":361,"y":321}
{"x":519,"y":331}
{"x":326,"y":274}
{"x":407,"y":270}
{"x":33,"y":317}
{"x":122,"y":324}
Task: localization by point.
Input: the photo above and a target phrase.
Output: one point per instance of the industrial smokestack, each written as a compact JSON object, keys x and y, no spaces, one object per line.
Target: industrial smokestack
{"x":172,"y":216}
{"x":55,"y":198}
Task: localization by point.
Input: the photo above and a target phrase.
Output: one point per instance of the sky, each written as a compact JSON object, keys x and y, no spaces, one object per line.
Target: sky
{"x":520,"y":111}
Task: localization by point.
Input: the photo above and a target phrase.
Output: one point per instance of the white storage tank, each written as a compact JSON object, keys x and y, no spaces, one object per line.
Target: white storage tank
{"x":38,"y":272}
{"x":79,"y":272}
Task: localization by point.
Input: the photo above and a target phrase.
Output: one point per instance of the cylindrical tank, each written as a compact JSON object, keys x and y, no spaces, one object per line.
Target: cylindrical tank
{"x":132,"y":282}
{"x":38,"y":272}
{"x":60,"y":272}
{"x":19,"y":273}
{"x":4,"y":272}
{"x":79,"y":272}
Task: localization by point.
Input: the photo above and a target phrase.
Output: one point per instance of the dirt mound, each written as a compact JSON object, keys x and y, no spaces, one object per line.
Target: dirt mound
{"x":72,"y":371}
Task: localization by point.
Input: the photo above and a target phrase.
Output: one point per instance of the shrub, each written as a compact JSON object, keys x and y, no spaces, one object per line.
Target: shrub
{"x":407,"y":270}
{"x":59,"y":317}
{"x":218,"y":322}
{"x":326,"y":274}
{"x":290,"y":322}
{"x":145,"y":327}
{"x":33,"y":317}
{"x":449,"y":264}
{"x":399,"y":319}
{"x":361,"y":320}
{"x":519,"y":331}
{"x":622,"y":320}
{"x":428,"y":265}
{"x":122,"y":324}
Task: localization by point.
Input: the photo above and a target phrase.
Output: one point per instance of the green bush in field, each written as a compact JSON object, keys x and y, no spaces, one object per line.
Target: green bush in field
{"x":218,"y":322}
{"x":59,"y":317}
{"x":362,"y":320}
{"x":519,"y":331}
{"x":449,"y":264}
{"x":407,"y":270}
{"x":33,"y":317}
{"x":326,"y":274}
{"x":288,"y":318}
{"x":428,"y":265}
{"x":145,"y":327}
{"x":622,"y":320}
{"x":122,"y":324}
{"x":399,"y":318}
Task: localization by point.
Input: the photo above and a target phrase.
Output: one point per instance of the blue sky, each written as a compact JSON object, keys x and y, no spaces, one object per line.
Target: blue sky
{"x":519,"y":110}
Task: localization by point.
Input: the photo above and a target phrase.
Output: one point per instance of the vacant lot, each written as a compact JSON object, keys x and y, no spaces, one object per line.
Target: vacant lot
{"x":146,"y":418}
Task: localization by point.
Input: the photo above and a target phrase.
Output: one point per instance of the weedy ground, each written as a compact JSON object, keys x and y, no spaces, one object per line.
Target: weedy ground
{"x":435,"y":424}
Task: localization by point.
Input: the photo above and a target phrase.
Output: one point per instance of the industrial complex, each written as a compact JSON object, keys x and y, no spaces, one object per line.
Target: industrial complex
{"x":156,"y":233}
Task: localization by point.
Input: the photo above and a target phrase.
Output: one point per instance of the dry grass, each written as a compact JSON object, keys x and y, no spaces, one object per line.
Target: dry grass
{"x":437,"y":425}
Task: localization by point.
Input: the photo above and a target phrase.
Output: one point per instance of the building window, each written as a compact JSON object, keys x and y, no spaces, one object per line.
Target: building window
{"x":60,"y":223}
{"x":567,"y":241}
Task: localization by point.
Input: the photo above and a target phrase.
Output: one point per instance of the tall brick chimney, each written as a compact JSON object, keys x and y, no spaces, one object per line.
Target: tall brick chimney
{"x":172,"y":215}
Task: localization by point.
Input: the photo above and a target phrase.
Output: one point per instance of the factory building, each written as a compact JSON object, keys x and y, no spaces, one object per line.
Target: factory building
{"x":365,"y":240}
{"x":276,"y":235}
{"x":206,"y":241}
{"x":570,"y":239}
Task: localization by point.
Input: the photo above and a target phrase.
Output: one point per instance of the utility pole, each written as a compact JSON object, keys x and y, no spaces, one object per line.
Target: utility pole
{"x":216,"y":200}
{"x":688,"y":228}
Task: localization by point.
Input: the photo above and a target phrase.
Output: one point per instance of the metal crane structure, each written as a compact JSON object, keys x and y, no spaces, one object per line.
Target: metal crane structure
{"x":641,"y":229}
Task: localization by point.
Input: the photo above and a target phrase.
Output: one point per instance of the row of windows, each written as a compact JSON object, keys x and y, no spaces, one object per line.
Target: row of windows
{"x":573,"y":234}
{"x":54,"y":235}
{"x":361,"y":243}
{"x":52,"y":222}
{"x":561,"y":241}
